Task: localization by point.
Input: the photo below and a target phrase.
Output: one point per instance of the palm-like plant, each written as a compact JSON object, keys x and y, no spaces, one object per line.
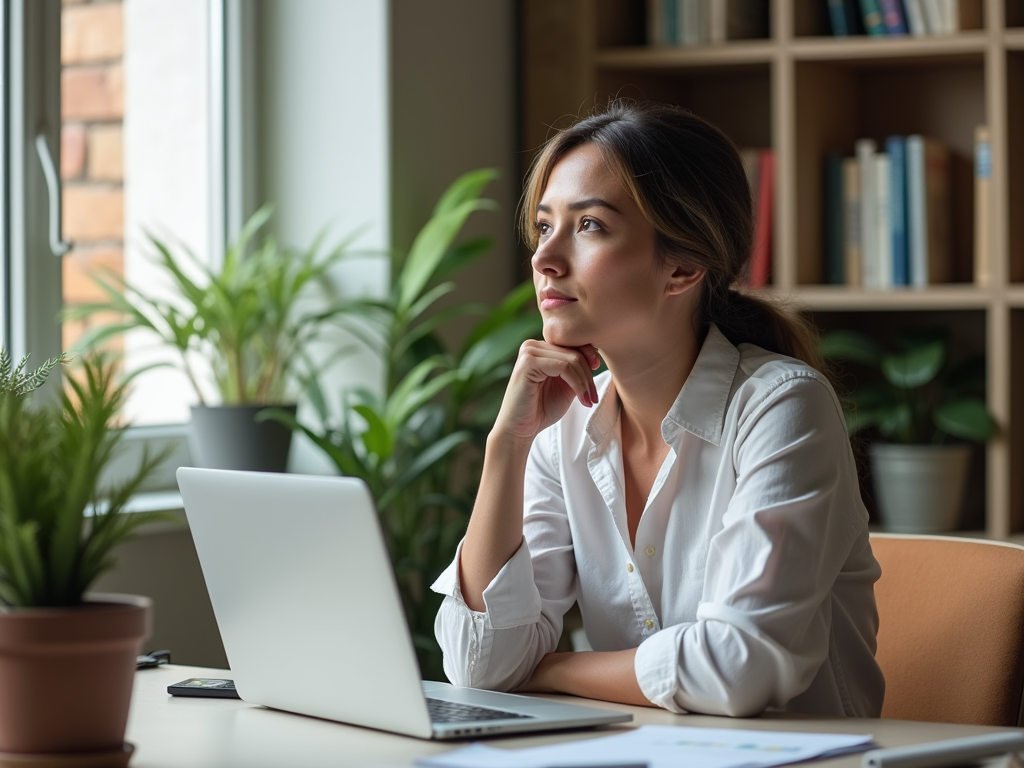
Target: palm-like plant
{"x":414,"y":445}
{"x":57,"y":526}
{"x":246,"y":318}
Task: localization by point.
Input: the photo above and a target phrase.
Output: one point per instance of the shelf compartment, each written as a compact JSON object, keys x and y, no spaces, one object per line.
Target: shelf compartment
{"x":1014,"y":13}
{"x":839,"y":102}
{"x":811,"y":18}
{"x":1015,"y":162}
{"x":967,"y":335}
{"x":737,"y":100}
{"x":839,"y":298}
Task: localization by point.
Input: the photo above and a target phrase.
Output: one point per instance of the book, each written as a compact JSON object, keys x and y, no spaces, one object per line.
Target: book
{"x":883,"y":225}
{"x":916,"y":18}
{"x":895,"y":147}
{"x":936,"y":17}
{"x":982,"y":206}
{"x":834,"y":271}
{"x":874,"y":23}
{"x":851,"y":222}
{"x":893,"y":17}
{"x":865,"y":151}
{"x":837,"y":16}
{"x":736,"y":19}
{"x":928,"y":210}
{"x":689,"y":23}
{"x":751,"y":158}
{"x":761,"y":260}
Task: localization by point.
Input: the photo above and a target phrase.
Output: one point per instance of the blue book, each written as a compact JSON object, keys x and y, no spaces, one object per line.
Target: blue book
{"x":896,"y":148}
{"x":835,"y":238}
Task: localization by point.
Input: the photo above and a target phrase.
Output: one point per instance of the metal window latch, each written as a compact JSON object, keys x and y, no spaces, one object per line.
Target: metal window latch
{"x":58,"y":245}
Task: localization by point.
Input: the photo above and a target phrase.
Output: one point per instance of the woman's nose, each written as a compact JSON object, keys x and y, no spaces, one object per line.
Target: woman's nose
{"x":549,"y":258}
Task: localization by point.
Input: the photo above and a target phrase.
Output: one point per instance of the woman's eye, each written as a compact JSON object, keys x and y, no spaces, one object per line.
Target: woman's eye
{"x":543,"y":228}
{"x":589,"y":225}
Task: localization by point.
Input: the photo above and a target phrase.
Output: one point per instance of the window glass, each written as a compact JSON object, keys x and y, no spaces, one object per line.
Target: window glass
{"x":135,"y":155}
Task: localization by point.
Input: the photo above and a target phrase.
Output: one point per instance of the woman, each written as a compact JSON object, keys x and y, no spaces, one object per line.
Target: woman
{"x":699,"y":499}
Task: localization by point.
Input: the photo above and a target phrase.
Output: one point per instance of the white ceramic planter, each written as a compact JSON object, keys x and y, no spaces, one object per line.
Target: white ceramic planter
{"x":919,"y":488}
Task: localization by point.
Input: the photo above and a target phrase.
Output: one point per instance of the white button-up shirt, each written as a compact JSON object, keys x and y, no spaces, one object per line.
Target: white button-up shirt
{"x":751,"y":582}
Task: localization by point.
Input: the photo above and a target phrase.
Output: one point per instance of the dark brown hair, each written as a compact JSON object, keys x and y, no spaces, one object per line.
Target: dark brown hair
{"x":688,"y":181}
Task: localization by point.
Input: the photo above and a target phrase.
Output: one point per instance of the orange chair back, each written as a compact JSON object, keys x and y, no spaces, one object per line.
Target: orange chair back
{"x":951,"y":629}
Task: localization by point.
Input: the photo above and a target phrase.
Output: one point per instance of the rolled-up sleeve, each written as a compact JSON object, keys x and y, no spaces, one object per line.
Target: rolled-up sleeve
{"x":762,"y":628}
{"x":499,"y":647}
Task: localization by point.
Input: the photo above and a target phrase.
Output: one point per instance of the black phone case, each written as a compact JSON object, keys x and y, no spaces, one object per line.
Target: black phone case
{"x":206,"y":687}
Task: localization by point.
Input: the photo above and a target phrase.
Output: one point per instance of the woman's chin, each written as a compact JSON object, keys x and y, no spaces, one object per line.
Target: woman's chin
{"x":562,"y":337}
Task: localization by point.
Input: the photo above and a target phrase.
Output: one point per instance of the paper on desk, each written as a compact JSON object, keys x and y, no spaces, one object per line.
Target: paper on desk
{"x":661,"y":746}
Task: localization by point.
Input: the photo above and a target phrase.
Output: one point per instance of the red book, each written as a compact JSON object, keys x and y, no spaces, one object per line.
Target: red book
{"x":761,"y":261}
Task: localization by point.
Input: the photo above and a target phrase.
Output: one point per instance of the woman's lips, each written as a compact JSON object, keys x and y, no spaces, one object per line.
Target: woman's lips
{"x":555,"y":301}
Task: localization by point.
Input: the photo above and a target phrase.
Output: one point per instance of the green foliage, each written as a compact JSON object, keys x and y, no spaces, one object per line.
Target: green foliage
{"x":920,"y":398}
{"x":417,"y":446}
{"x":15,"y":380}
{"x":51,"y":460}
{"x":247,"y":319}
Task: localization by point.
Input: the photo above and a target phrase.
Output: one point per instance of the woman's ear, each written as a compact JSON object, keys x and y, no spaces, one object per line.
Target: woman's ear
{"x":682,"y":278}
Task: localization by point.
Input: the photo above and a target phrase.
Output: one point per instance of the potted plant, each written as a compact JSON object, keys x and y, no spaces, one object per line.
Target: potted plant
{"x":67,"y":659}
{"x":919,"y":402}
{"x":249,"y":320}
{"x":416,"y":443}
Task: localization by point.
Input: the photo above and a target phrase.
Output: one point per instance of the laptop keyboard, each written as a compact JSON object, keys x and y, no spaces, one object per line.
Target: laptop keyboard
{"x":453,"y":712}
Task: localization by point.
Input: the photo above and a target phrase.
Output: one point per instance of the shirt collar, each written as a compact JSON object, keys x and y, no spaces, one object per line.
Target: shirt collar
{"x":699,"y":408}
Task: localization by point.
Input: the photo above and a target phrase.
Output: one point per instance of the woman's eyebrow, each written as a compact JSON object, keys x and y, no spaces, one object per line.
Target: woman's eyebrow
{"x":579,"y":205}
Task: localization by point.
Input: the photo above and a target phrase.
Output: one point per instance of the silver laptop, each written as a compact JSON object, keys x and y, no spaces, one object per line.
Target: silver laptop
{"x":311,"y":618}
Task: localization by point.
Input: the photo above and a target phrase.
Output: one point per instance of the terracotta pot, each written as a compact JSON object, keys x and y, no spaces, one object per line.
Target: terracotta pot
{"x":66,"y":674}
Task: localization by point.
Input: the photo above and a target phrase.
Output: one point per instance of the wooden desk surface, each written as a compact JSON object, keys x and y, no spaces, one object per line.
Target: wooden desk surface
{"x":176,"y":732}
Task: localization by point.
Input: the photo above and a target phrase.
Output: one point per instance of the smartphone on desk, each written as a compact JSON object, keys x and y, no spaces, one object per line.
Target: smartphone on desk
{"x":211,"y":687}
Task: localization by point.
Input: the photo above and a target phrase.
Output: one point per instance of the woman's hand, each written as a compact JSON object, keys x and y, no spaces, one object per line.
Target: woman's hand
{"x":543,"y":384}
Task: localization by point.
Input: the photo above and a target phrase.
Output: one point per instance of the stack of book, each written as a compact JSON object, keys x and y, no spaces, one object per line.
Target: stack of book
{"x":699,"y":22}
{"x":902,"y":17}
{"x":887,"y":213}
{"x":760,"y":168}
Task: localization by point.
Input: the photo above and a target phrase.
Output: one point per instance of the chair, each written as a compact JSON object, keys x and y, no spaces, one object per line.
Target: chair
{"x":951,"y":629}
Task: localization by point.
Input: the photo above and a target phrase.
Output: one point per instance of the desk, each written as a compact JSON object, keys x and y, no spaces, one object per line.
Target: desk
{"x":222,"y":733}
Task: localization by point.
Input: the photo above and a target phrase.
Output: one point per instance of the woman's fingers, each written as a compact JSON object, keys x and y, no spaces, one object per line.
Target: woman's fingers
{"x":542,"y":361}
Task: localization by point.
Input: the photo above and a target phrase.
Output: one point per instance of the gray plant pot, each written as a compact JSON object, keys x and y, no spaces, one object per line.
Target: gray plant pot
{"x":228,"y":437}
{"x":920,"y":488}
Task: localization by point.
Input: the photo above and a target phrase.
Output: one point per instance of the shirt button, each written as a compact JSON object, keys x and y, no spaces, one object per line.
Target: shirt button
{"x":629,"y":567}
{"x":649,"y":624}
{"x":649,"y":551}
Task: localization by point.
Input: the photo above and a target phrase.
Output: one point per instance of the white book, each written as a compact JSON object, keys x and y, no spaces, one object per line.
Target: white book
{"x":917,"y":223}
{"x":936,"y":16}
{"x":688,"y":16}
{"x":865,"y":151}
{"x":718,"y":20}
{"x":883,"y":220}
{"x":953,"y":15}
{"x":916,"y":18}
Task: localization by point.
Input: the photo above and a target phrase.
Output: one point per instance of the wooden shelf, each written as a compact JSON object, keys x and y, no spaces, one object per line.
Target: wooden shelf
{"x":840,"y":298}
{"x":878,"y":51}
{"x":806,"y":95}
{"x":738,"y":53}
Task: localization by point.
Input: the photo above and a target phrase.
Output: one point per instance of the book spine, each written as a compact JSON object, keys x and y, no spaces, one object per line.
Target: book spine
{"x":837,"y":15}
{"x":688,"y":23}
{"x":865,"y":149}
{"x":761,"y":262}
{"x":935,"y":15}
{"x":834,"y":240}
{"x":917,"y":231}
{"x":982,"y":206}
{"x":851,"y":222}
{"x":873,"y":20}
{"x":718,"y":20}
{"x":915,"y":18}
{"x":937,"y":210}
{"x":895,"y":147}
{"x":953,"y":16}
{"x":893,"y":17}
{"x":655,"y":23}
{"x":883,"y":225}
{"x":670,"y":26}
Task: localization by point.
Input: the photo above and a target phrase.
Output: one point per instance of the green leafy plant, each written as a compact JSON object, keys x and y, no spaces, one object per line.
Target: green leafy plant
{"x":416,"y":443}
{"x":920,"y":397}
{"x":57,"y":528}
{"x":247,"y":318}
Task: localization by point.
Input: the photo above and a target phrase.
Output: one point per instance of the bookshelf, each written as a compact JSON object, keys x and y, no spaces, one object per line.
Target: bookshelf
{"x":803,"y":93}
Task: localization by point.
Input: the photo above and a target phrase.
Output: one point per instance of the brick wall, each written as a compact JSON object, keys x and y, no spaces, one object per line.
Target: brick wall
{"x":92,"y":111}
